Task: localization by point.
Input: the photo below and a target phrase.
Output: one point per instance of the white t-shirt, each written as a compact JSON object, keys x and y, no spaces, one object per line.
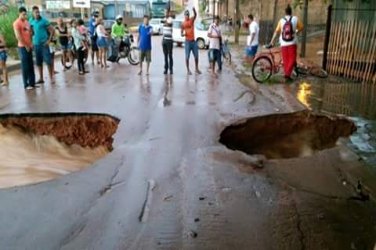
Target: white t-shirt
{"x":99,"y":30}
{"x":294,"y":22}
{"x":253,"y":29}
{"x":214,"y":43}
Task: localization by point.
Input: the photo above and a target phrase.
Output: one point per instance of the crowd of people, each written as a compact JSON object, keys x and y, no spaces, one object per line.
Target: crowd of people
{"x":37,"y":35}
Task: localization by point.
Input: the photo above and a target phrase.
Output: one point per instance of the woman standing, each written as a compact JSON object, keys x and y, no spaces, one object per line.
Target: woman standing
{"x":102,"y":42}
{"x":65,"y":44}
{"x":3,"y":60}
{"x":79,"y":43}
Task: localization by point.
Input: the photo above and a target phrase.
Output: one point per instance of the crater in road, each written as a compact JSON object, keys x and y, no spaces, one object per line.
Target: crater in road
{"x":41,"y":147}
{"x":286,"y":135}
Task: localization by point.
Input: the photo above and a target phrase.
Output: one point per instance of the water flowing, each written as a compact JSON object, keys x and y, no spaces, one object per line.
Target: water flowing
{"x":27,"y":158}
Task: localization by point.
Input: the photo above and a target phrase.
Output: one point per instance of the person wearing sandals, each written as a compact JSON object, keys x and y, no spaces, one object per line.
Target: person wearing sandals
{"x":79,"y":44}
{"x":43,"y":33}
{"x":102,"y":42}
{"x":3,"y":60}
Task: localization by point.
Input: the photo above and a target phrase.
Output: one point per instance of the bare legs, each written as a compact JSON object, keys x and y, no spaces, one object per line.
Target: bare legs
{"x":3,"y":67}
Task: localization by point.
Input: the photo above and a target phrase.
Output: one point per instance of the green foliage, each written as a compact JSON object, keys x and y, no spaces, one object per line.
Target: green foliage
{"x":6,"y":25}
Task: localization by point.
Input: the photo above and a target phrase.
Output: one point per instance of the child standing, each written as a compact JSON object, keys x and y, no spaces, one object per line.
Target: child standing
{"x":3,"y":59}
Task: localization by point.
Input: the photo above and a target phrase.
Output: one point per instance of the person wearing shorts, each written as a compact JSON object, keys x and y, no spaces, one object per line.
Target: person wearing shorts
{"x":215,"y":40}
{"x":94,"y":37}
{"x":42,"y":36}
{"x":64,"y":40}
{"x":3,"y":60}
{"x":145,"y":32}
{"x":252,"y":39}
{"x":188,"y":30}
{"x":102,"y":43}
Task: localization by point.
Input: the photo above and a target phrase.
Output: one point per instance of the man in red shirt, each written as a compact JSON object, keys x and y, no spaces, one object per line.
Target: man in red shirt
{"x":188,"y":30}
{"x":22,"y":30}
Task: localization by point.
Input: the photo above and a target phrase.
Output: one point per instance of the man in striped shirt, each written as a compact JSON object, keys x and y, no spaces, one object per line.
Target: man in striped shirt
{"x":167,"y":43}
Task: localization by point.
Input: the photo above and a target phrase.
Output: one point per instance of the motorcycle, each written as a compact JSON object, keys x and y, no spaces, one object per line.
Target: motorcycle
{"x":126,"y":49}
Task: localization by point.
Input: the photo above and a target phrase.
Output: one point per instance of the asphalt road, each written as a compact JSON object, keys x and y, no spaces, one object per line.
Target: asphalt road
{"x":169,"y":183}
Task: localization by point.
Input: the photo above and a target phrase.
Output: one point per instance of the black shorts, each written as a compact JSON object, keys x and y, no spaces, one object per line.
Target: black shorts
{"x":94,"y":46}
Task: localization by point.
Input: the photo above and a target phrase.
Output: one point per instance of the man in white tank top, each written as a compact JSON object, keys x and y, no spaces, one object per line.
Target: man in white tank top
{"x":287,"y":29}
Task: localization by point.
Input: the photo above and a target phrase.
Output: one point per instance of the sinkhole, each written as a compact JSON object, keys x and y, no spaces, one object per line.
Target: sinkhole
{"x":44,"y":146}
{"x":291,"y":135}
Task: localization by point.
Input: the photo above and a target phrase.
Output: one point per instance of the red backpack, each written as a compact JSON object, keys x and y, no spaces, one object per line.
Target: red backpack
{"x":287,"y":30}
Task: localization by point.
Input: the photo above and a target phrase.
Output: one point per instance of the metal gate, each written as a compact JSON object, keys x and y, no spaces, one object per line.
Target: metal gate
{"x":350,"y":43}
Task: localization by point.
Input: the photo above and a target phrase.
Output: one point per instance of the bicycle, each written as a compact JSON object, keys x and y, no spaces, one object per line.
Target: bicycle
{"x":266,"y":64}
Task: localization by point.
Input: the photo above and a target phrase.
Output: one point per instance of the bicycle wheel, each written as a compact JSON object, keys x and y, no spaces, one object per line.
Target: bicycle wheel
{"x":262,"y":69}
{"x":319,"y":72}
{"x":134,"y":56}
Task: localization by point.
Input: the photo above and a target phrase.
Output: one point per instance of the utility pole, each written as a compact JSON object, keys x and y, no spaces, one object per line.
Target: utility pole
{"x":305,"y":23}
{"x":236,"y":19}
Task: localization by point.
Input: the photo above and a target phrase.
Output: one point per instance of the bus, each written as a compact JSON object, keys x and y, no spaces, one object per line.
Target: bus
{"x":158,"y":7}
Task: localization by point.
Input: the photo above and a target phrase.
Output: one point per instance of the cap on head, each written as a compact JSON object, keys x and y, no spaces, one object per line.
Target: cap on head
{"x":119,"y":17}
{"x":95,"y":14}
{"x":186,"y":13}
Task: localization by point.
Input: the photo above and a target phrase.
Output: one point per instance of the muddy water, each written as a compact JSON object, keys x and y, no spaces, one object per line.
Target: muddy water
{"x":355,"y":100}
{"x":27,"y":158}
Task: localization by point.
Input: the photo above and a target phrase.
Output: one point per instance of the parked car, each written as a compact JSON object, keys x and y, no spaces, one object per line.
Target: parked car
{"x":157,"y":25}
{"x":201,"y":33}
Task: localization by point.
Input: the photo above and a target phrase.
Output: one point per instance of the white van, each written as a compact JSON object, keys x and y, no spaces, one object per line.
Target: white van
{"x":201,"y":33}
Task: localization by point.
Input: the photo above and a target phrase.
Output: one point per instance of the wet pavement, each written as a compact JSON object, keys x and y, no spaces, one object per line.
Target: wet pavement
{"x":169,"y":183}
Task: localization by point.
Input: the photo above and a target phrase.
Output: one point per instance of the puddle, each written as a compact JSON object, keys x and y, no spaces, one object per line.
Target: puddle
{"x":40,"y":147}
{"x":286,"y":135}
{"x":355,"y":100}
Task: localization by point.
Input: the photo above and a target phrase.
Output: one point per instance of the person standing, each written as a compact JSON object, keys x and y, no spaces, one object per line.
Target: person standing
{"x":3,"y":60}
{"x":252,"y":39}
{"x":167,"y":43}
{"x":65,"y":44}
{"x":145,"y":32}
{"x":43,"y":33}
{"x":287,"y":27}
{"x":215,"y":41}
{"x":102,"y":42}
{"x":188,"y":30}
{"x":23,"y":33}
{"x":79,"y":43}
{"x":94,"y":37}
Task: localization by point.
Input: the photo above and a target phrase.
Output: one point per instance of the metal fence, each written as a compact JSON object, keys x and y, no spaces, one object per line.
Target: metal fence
{"x":350,"y":43}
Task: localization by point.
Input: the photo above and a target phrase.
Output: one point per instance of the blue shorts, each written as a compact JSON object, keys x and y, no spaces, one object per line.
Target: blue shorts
{"x":214,"y":55}
{"x":191,"y":46}
{"x":3,"y":56}
{"x":251,"y":51}
{"x":102,"y":42}
{"x":66,"y":47}
{"x":42,"y":54}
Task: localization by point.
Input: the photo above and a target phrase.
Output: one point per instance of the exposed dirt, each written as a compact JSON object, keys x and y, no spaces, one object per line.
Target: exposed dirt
{"x":287,"y":135}
{"x":84,"y":129}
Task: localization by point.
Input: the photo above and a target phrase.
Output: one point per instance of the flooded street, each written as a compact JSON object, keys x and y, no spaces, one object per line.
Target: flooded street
{"x":177,"y":178}
{"x":354,"y":100}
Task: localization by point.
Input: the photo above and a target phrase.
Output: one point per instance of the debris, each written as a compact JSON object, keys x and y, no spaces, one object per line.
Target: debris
{"x":202,"y":198}
{"x":197,"y":219}
{"x":258,"y":194}
{"x":193,"y":234}
{"x":226,"y":189}
{"x":168,"y":198}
